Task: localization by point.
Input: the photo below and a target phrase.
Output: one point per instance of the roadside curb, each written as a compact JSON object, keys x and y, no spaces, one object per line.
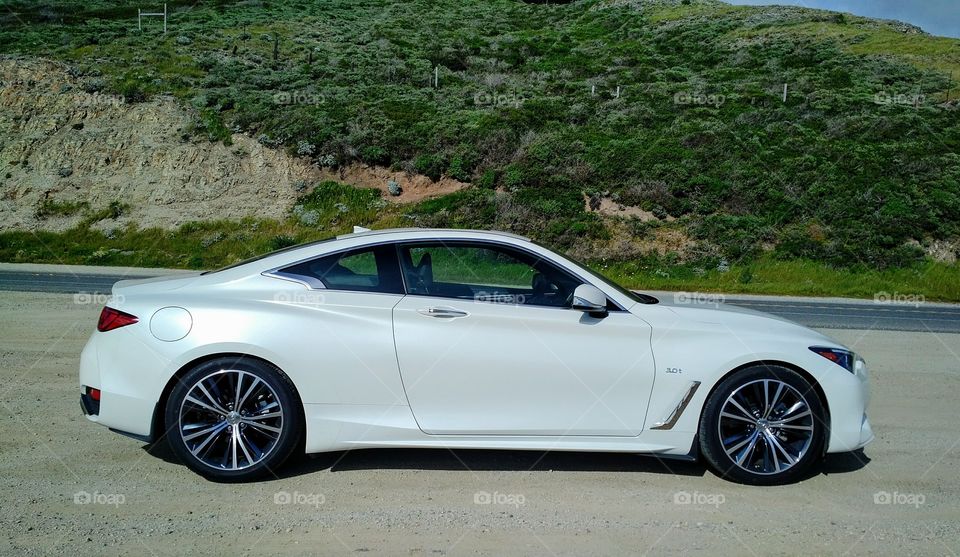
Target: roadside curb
{"x":131,"y":272}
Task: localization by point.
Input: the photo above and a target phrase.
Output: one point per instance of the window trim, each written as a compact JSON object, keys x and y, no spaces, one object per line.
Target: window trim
{"x":468,"y":241}
{"x":276,"y":271}
{"x":313,"y":283}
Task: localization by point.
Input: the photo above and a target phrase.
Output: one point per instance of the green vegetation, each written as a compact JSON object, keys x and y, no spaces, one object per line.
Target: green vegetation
{"x":51,"y":207}
{"x":332,"y":208}
{"x":850,"y":180}
{"x":929,"y":281}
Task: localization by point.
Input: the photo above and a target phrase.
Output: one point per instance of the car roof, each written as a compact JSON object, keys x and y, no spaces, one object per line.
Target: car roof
{"x":356,"y":239}
{"x":431,"y":231}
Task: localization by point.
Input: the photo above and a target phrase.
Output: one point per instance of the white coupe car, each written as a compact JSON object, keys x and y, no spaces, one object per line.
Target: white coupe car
{"x":459,"y":339}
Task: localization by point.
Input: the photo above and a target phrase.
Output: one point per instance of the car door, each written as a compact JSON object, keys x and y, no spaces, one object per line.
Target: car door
{"x":488,"y":345}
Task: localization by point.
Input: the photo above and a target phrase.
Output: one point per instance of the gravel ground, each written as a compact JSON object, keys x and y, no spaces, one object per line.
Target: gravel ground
{"x":74,"y":488}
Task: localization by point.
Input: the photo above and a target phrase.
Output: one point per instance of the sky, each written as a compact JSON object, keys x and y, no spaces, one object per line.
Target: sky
{"x":938,"y":17}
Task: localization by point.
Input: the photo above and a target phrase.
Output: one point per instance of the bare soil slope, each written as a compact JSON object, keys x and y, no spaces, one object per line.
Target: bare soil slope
{"x":78,"y":151}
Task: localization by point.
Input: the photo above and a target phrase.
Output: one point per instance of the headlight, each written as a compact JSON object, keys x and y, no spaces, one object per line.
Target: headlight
{"x":843,"y":358}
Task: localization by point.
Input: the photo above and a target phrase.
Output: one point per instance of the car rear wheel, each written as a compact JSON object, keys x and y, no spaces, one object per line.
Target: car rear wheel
{"x":764,"y":425}
{"x":234,"y":419}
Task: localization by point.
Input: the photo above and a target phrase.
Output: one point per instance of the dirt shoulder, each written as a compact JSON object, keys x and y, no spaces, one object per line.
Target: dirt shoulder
{"x":901,"y":496}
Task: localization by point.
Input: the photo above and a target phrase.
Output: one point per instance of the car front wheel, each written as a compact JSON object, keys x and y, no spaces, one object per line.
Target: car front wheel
{"x":234,"y":419}
{"x":764,"y":425}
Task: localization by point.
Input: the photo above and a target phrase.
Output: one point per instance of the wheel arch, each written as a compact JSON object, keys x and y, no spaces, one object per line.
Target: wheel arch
{"x":159,"y":426}
{"x":818,"y":389}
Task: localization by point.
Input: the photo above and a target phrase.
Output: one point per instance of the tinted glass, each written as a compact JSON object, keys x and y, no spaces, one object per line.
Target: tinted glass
{"x":372,"y":269}
{"x":484,"y":272}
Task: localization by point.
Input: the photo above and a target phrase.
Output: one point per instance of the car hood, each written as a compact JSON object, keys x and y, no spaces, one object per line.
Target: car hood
{"x":747,"y":320}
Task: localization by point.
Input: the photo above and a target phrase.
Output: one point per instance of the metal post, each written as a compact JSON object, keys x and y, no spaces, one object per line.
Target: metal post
{"x":784,"y":92}
{"x":139,"y":25}
{"x":436,"y":76}
{"x":164,"y":18}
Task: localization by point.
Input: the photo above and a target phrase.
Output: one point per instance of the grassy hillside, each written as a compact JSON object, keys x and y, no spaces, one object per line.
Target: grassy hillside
{"x":858,"y":169}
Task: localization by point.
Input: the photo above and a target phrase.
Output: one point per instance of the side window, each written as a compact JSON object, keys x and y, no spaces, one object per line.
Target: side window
{"x":371,"y":269}
{"x":484,"y":272}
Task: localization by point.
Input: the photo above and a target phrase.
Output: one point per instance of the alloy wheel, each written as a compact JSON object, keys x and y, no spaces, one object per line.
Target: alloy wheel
{"x":766,"y":426}
{"x":231,"y":420}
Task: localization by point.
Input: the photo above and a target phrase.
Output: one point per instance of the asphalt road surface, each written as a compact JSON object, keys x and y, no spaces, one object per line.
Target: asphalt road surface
{"x":867,"y":315}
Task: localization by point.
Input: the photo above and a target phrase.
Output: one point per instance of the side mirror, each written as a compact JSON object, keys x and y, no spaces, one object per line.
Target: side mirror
{"x":589,"y":298}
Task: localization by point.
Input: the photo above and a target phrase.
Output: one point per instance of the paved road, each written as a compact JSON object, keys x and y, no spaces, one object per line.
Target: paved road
{"x":854,"y":314}
{"x":57,"y":282}
{"x":936,"y":318}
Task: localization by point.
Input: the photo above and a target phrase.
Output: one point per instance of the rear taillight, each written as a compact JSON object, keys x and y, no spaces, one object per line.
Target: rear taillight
{"x":111,"y":319}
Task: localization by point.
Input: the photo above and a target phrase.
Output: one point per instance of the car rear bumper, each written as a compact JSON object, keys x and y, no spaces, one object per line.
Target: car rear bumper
{"x":123,"y":411}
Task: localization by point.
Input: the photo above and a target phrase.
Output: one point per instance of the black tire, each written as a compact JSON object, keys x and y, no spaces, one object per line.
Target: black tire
{"x":242,"y":443}
{"x":760,"y":453}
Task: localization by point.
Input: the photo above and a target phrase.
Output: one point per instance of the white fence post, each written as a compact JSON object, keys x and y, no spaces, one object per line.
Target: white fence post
{"x":141,"y":14}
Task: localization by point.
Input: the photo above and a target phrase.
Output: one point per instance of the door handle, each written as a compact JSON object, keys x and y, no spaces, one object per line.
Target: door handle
{"x":442,"y":312}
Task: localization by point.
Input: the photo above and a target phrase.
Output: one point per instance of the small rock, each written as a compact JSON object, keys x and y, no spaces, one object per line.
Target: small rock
{"x":394,"y":188}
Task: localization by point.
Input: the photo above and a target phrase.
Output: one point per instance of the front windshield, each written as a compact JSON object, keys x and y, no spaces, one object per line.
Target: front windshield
{"x":635,"y":296}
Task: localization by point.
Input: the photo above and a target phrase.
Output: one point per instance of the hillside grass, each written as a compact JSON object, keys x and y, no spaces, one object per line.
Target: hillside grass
{"x":526,"y":111}
{"x":926,"y":52}
{"x":928,"y":281}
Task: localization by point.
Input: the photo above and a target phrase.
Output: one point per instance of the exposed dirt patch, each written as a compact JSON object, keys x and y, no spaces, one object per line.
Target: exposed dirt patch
{"x":945,"y":251}
{"x":66,"y":153}
{"x":415,"y":187}
{"x":623,"y":243}
{"x":610,"y":208}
